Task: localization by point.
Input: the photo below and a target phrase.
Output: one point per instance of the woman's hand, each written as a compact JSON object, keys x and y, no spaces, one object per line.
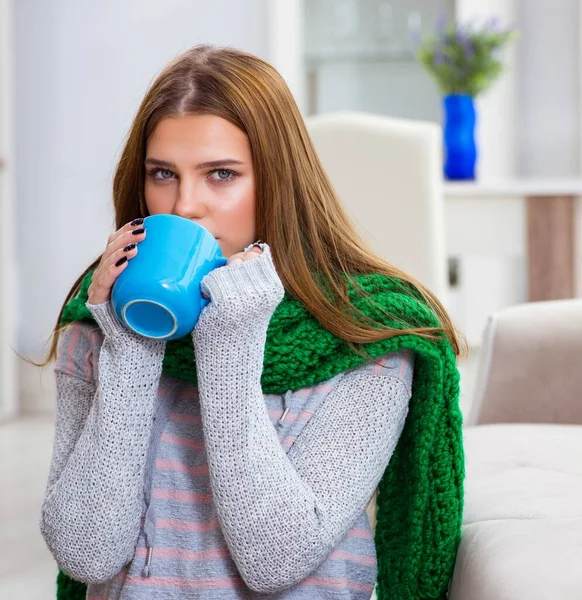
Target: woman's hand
{"x":121,"y":248}
{"x":247,"y":290}
{"x":248,"y":253}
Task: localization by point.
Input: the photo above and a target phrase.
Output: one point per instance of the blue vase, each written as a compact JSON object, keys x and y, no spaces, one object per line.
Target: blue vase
{"x":459,"y":137}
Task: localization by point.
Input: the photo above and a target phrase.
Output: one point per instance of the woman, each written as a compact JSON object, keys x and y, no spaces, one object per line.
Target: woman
{"x":238,"y":463}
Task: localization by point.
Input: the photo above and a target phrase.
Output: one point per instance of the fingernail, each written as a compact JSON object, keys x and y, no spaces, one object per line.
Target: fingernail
{"x":137,"y":221}
{"x":129,"y":247}
{"x":121,"y":261}
{"x":138,"y":231}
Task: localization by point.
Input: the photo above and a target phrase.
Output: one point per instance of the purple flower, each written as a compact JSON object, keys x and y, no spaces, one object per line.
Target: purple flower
{"x":441,"y":22}
{"x":468,"y":48}
{"x":492,"y":23}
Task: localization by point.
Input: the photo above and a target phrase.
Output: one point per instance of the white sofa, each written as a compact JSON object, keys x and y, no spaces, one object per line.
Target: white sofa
{"x":522,"y":531}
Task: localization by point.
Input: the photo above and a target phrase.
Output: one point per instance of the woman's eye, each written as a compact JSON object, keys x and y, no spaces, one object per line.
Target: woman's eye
{"x":165,"y":173}
{"x":161,"y":174}
{"x":221,"y":175}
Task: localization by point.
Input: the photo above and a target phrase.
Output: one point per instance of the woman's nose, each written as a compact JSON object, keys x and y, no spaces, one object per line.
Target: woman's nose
{"x":190,"y":203}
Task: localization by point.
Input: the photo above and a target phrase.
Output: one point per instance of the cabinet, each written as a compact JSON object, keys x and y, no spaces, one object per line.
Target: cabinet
{"x":360,"y":55}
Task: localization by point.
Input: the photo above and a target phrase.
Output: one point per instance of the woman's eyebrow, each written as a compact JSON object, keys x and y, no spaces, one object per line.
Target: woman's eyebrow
{"x":219,"y":163}
{"x":157,"y":161}
{"x":205,"y":165}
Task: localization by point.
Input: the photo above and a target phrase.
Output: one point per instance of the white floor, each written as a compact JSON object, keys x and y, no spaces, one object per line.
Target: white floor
{"x":27,"y":569}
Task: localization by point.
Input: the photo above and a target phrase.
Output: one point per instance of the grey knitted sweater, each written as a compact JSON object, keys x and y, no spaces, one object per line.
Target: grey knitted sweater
{"x":161,"y":489}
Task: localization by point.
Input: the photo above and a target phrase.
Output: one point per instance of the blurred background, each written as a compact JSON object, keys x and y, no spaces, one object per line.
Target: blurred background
{"x":72,"y":74}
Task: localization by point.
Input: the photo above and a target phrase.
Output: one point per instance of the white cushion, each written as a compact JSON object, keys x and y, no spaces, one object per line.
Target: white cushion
{"x":522,"y":525}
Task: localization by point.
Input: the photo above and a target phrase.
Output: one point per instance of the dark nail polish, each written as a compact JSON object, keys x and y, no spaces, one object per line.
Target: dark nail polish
{"x":129,"y":247}
{"x":138,"y":231}
{"x":121,"y":261}
{"x":137,"y":221}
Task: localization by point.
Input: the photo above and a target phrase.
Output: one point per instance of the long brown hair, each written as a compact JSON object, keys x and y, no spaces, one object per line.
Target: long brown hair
{"x":297,"y":210}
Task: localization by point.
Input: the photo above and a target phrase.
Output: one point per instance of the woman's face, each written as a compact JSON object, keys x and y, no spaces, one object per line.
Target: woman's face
{"x":200,"y":167}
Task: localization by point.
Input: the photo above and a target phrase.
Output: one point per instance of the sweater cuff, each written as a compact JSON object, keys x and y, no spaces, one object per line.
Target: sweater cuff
{"x":107,"y":319}
{"x":255,"y":277}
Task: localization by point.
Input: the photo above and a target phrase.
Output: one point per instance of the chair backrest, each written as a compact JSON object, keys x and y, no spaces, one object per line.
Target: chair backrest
{"x":530,"y":365}
{"x":388,"y":175}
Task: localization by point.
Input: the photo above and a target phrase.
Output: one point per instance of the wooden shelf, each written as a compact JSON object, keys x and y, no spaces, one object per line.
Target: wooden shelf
{"x":520,"y":187}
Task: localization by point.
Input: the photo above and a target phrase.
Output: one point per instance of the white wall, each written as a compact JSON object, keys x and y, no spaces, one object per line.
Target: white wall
{"x":8,"y":379}
{"x":285,"y":26}
{"x":549,"y":72}
{"x":82,"y":68}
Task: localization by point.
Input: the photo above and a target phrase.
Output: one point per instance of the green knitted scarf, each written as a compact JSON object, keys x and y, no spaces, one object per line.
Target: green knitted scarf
{"x":420,"y":499}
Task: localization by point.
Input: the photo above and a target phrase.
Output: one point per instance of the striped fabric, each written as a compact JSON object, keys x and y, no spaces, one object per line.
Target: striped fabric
{"x":181,"y":533}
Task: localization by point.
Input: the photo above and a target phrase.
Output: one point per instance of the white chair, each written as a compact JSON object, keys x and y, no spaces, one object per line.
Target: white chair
{"x":388,"y":175}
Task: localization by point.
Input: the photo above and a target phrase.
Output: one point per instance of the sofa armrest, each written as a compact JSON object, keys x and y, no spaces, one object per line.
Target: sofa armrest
{"x":530,"y":368}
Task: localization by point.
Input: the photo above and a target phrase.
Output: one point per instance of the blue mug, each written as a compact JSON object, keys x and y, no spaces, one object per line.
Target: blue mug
{"x":158,"y":294}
